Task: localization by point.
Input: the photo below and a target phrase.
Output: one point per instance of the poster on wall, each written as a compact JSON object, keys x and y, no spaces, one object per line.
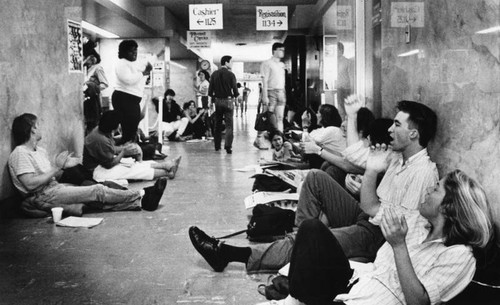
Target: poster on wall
{"x":75,"y":47}
{"x":344,"y":17}
{"x":407,"y":13}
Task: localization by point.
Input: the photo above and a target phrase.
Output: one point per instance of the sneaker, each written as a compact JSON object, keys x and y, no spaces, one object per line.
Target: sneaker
{"x":153,"y":194}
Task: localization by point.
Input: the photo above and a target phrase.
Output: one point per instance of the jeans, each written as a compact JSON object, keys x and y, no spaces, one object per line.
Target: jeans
{"x":98,"y":195}
{"x":323,"y":198}
{"x":224,"y":111}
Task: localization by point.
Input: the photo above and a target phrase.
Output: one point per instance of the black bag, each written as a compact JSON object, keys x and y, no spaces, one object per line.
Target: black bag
{"x":263,"y":122}
{"x":267,"y":224}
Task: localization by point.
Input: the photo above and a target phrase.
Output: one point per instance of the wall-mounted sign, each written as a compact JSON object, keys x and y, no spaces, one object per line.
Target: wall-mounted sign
{"x":205,"y":16}
{"x":75,"y":47}
{"x":272,"y":18}
{"x":199,"y":39}
{"x":344,"y":17}
{"x":407,"y":13}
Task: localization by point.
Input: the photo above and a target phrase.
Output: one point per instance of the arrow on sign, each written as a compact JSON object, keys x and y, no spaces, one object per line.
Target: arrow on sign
{"x":200,"y":21}
{"x":280,"y":22}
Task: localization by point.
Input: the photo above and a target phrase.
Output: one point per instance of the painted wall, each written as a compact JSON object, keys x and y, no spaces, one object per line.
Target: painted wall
{"x":456,"y":73}
{"x":34,"y":76}
{"x":182,"y":80}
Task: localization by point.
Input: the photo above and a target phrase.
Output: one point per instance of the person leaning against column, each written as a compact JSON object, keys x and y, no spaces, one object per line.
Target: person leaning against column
{"x":129,"y":89}
{"x":223,"y":90}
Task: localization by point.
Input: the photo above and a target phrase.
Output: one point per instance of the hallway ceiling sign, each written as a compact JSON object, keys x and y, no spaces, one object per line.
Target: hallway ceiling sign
{"x":272,"y":18}
{"x":199,"y":39}
{"x":205,"y":16}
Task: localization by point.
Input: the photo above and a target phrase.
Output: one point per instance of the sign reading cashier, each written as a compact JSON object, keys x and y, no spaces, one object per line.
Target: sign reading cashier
{"x":199,"y":39}
{"x":205,"y":16}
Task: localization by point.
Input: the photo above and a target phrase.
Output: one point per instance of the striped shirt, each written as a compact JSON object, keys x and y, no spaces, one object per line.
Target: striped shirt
{"x":443,"y":271}
{"x":25,"y":161}
{"x":404,"y":187}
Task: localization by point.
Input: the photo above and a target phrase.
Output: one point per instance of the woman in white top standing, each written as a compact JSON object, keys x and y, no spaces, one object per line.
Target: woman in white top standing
{"x":129,"y":89}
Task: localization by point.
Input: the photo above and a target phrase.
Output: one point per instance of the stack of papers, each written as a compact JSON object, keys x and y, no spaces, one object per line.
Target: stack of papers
{"x":279,"y":199}
{"x":79,"y":222}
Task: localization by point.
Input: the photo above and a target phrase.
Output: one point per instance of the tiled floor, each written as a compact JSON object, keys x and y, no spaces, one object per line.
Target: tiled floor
{"x":142,"y":257}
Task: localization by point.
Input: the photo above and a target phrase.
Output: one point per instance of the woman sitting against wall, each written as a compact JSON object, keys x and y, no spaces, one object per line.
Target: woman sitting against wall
{"x":431,"y":270}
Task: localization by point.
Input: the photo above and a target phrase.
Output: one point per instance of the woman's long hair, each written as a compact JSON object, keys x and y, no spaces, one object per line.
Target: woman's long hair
{"x":329,"y":116}
{"x":466,"y":211}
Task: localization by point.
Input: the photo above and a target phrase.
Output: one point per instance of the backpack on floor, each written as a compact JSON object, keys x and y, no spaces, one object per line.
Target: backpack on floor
{"x":267,"y":224}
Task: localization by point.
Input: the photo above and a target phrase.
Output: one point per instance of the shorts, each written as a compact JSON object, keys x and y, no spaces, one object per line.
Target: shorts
{"x":276,"y":98}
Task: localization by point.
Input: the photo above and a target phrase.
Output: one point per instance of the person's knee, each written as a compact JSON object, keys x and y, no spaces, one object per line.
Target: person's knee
{"x":311,"y":225}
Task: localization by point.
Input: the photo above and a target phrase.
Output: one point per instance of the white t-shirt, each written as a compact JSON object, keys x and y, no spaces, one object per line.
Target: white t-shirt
{"x":330,"y":138}
{"x":129,"y":78}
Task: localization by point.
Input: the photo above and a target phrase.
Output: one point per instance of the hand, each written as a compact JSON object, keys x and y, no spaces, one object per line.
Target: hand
{"x":310,"y":147}
{"x":131,"y":149}
{"x":148,"y":69}
{"x":352,"y":104}
{"x":394,"y":228}
{"x":72,"y":161}
{"x":353,"y":183}
{"x":61,"y":159}
{"x":306,"y":119}
{"x":377,"y":158}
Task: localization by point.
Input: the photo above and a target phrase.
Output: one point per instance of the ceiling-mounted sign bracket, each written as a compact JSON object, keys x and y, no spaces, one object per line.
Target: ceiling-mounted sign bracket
{"x":205,"y":16}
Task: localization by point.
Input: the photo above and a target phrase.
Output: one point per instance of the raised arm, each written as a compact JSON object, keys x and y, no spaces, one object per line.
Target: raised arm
{"x":352,"y":105}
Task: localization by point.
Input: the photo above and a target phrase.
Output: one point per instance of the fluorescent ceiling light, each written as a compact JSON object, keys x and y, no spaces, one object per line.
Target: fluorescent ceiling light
{"x":177,"y":65}
{"x":490,"y":30}
{"x":98,"y":30}
{"x":412,"y":52}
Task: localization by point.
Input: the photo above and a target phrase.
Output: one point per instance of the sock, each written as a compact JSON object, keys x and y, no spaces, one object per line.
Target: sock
{"x":235,"y":254}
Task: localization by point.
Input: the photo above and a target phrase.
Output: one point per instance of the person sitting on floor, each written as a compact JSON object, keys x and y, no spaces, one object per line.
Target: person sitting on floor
{"x":102,"y":156}
{"x":408,"y":175}
{"x":434,"y":269}
{"x":196,"y":127}
{"x":282,"y":150}
{"x":328,"y":136}
{"x":34,"y":177}
{"x":174,"y":122}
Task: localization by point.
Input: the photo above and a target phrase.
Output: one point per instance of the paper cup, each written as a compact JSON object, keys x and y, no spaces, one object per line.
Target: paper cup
{"x":203,"y":138}
{"x":57,"y":214}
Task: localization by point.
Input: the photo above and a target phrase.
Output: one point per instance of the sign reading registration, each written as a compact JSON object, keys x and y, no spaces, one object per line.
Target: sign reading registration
{"x":205,"y":16}
{"x":272,"y":18}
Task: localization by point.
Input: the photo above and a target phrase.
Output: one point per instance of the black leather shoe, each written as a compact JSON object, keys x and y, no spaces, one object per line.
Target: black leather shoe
{"x":208,"y":247}
{"x":229,"y":150}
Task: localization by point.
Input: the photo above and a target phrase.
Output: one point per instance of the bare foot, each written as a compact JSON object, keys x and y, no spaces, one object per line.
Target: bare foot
{"x":173,"y":169}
